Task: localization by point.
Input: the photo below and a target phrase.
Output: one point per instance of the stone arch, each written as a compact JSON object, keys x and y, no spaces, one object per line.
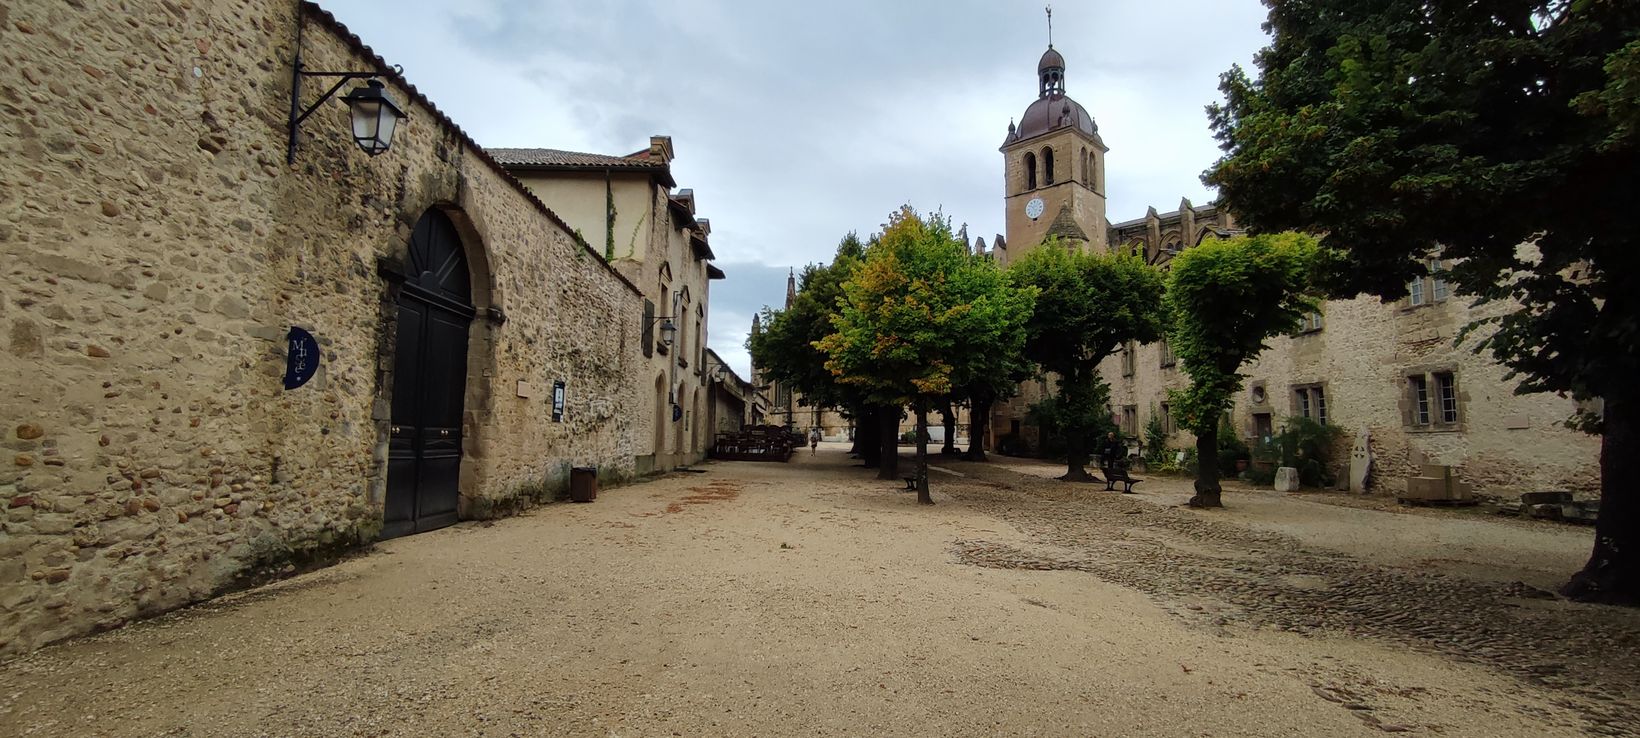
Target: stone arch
{"x":477,"y":302}
{"x":1047,"y":165}
{"x":1030,"y":171}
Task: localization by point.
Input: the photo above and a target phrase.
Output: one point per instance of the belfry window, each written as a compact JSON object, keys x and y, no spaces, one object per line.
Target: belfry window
{"x":1030,"y":171}
{"x":1047,"y":165}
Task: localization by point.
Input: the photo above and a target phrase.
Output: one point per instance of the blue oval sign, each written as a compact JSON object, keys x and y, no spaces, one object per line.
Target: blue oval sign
{"x":302,"y":359}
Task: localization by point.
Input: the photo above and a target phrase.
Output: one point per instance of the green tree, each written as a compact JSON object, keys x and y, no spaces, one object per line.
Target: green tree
{"x":918,"y":318}
{"x":785,"y":352}
{"x":1088,"y":305}
{"x":1407,"y":128}
{"x":1224,"y":299}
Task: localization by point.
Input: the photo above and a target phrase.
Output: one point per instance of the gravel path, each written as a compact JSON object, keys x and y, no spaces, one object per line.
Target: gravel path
{"x":809,"y":598}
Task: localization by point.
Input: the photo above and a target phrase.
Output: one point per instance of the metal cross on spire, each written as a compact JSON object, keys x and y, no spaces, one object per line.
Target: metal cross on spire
{"x":1049,"y":8}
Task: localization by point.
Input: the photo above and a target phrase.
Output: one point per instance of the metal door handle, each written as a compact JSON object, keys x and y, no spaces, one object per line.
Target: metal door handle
{"x":444,"y":433}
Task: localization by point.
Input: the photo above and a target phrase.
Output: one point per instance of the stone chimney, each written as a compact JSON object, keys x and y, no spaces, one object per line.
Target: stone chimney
{"x":660,"y":147}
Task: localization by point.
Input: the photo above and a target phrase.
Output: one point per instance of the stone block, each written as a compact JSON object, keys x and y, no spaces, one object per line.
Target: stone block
{"x":1286,"y":479}
{"x":1545,"y":498}
{"x":1579,"y":513}
{"x":1438,"y":471}
{"x":1425,"y":488}
{"x":1545,"y":511}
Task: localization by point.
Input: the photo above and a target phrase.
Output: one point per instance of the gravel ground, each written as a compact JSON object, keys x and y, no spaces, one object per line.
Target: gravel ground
{"x":809,"y":598}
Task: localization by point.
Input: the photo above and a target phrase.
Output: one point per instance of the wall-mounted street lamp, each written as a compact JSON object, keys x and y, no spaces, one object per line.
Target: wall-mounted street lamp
{"x":669,"y":331}
{"x":375,"y":116}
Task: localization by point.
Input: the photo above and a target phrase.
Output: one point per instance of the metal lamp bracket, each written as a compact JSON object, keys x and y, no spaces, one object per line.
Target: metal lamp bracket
{"x":298,"y":113}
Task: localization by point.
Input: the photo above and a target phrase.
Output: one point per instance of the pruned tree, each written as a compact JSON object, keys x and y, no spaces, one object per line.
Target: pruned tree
{"x":1225,"y":298}
{"x":784,"y":350}
{"x":918,"y":318}
{"x":1402,"y":129}
{"x":1088,"y":305}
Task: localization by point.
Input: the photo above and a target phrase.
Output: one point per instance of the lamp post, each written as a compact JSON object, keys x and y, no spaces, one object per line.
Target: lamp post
{"x":375,"y":116}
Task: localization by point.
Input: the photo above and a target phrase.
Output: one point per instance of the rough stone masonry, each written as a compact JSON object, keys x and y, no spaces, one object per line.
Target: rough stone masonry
{"x":157,"y":249}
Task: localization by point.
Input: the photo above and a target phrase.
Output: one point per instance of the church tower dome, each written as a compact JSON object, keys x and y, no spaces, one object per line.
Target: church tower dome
{"x":1054,"y":169}
{"x":1051,"y":70}
{"x":1053,"y":109}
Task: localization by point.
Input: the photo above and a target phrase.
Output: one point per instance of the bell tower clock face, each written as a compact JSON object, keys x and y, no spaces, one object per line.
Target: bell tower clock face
{"x":1033,"y":209}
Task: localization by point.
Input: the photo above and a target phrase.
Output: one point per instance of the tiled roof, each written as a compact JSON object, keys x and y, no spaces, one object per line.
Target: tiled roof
{"x":561,"y":158}
{"x":323,"y":17}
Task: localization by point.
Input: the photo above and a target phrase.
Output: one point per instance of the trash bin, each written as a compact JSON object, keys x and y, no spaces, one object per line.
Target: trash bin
{"x":583,"y":484}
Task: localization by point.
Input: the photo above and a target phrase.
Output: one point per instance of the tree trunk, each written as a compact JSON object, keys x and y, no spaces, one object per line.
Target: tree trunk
{"x":979,"y":418}
{"x":854,"y":448}
{"x":922,"y":458}
{"x":1076,"y":430}
{"x":888,"y":440}
{"x":865,"y":437}
{"x":1207,"y":466}
{"x":1612,"y":575}
{"x":949,"y":420}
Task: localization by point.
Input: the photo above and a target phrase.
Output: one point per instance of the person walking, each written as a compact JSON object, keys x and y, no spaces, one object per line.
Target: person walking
{"x":814,"y":440}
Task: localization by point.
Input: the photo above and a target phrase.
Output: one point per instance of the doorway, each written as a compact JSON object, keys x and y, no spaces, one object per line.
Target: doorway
{"x":435,"y":311}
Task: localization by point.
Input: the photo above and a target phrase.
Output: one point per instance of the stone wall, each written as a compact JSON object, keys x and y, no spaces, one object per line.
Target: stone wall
{"x":1504,"y":443}
{"x":158,"y":247}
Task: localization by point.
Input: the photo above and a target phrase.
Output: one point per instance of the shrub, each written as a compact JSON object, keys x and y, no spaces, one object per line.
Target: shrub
{"x":1155,"y":441}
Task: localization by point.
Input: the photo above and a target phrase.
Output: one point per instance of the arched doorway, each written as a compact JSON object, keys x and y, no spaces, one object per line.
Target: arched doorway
{"x":663,"y":417}
{"x":435,"y":309}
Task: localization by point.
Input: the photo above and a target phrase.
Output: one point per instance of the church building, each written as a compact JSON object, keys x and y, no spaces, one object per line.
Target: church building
{"x":1391,"y":371}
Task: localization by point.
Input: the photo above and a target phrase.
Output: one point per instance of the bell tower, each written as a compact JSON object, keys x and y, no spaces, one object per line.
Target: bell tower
{"x":1054,"y":168}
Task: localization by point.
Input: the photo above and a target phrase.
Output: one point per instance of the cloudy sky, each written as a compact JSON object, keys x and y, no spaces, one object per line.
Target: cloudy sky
{"x":796,"y":123}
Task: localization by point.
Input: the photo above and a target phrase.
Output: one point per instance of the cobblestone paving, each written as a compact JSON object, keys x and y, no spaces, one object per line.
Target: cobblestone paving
{"x":1228,"y":577}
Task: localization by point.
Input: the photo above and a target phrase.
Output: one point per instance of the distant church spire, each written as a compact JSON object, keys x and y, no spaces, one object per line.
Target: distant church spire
{"x":791,"y":287}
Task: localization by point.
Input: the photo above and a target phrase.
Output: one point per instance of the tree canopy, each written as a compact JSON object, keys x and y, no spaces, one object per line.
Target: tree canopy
{"x":1088,"y":305}
{"x":1503,"y":135}
{"x":919,"y":317}
{"x":1225,"y":298}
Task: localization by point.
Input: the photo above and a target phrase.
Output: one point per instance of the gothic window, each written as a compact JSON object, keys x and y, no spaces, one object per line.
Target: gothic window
{"x":1047,"y":165}
{"x":1030,"y":171}
{"x":1087,"y":171}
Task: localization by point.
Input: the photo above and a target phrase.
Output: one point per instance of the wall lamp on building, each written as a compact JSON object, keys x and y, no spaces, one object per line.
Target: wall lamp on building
{"x":669,"y":331}
{"x":375,"y":115}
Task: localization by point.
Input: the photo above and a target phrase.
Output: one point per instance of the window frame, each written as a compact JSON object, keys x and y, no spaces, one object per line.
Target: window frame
{"x":1429,"y":289}
{"x":1310,"y":401}
{"x":1313,"y":321}
{"x":1441,"y":408}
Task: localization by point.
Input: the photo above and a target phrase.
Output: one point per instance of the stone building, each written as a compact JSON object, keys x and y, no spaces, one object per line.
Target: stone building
{"x":733,"y":403}
{"x":624,"y":206}
{"x":1391,"y":369}
{"x":471,"y":348}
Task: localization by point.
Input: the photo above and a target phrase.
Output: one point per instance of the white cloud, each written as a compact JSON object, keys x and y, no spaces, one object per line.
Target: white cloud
{"x":798,"y":123}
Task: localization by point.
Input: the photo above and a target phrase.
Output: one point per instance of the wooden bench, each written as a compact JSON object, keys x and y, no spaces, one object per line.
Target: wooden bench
{"x":910,"y":482}
{"x":1118,"y":474}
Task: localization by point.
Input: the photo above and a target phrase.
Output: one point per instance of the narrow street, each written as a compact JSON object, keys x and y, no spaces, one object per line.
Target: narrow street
{"x":810,"y":598}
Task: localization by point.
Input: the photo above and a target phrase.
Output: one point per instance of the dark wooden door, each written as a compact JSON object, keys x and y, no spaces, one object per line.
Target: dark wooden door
{"x":429,"y":382}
